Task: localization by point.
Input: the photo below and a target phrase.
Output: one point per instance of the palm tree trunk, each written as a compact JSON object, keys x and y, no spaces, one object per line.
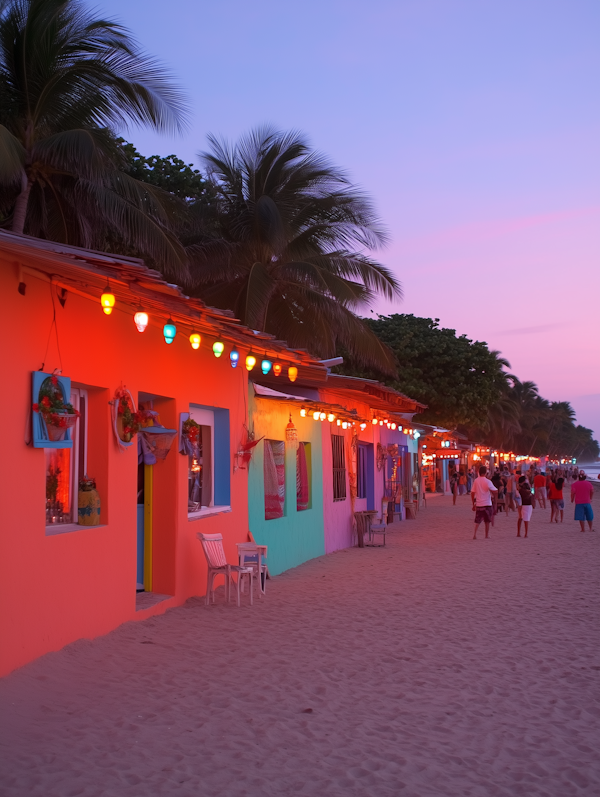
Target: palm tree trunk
{"x":20,"y":214}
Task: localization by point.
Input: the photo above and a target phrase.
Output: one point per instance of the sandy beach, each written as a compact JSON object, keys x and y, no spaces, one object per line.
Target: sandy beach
{"x":434,"y":666}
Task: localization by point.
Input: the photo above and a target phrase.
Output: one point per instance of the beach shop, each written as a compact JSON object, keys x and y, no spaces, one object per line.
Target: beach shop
{"x":125,"y":434}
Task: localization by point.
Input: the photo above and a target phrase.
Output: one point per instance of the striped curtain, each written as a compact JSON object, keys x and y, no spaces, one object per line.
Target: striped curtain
{"x":274,"y":472}
{"x":301,"y":479}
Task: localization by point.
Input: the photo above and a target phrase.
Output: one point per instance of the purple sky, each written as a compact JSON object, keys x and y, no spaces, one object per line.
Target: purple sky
{"x":475,"y":126}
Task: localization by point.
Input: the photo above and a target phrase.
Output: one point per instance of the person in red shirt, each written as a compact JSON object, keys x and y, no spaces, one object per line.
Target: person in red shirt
{"x":582,"y":492}
{"x":539,"y":487}
{"x":557,"y":503}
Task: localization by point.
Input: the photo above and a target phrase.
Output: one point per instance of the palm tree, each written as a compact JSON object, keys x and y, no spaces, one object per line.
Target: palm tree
{"x":286,"y":246}
{"x":67,"y":79}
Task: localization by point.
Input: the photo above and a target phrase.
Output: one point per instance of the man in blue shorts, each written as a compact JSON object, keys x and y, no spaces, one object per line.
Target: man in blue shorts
{"x":582,"y":493}
{"x":484,"y":496}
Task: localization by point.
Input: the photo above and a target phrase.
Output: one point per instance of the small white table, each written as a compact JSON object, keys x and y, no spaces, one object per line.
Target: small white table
{"x":260,"y":551}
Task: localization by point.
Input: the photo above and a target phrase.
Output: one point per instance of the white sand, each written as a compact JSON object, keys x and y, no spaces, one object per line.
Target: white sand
{"x":435,"y":666}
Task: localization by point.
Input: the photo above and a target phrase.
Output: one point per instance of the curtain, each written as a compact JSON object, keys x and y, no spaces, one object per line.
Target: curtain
{"x":274,"y":471}
{"x":301,"y":479}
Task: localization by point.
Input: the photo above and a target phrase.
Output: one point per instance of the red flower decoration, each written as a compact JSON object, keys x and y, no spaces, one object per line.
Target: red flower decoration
{"x":36,"y":407}
{"x":46,"y":402}
{"x":54,"y":380}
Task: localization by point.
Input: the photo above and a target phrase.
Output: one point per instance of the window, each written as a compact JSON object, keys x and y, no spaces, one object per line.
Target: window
{"x":200,"y":464}
{"x":64,"y":468}
{"x":274,"y":473}
{"x":210,"y":468}
{"x":303,"y":477}
{"x":361,"y":480}
{"x":339,"y":467}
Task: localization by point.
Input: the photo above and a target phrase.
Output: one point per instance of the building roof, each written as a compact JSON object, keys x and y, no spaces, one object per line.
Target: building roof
{"x":86,"y":273}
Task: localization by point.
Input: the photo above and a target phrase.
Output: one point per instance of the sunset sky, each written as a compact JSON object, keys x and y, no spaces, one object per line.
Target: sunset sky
{"x":473,"y":124}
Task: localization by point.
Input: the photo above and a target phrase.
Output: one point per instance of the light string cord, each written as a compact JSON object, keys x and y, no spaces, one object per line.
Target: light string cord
{"x":55,"y":326}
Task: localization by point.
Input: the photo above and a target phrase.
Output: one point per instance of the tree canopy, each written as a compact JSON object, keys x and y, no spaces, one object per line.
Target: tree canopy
{"x":67,"y":79}
{"x":466,"y":386}
{"x":286,"y":245}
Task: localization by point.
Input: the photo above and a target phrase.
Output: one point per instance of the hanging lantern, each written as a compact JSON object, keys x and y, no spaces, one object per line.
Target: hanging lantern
{"x":234,"y":357}
{"x":316,"y":415}
{"x":169,"y":331}
{"x":250,"y":362}
{"x":291,"y":433}
{"x":292,"y":373}
{"x":322,"y":416}
{"x":277,"y":369}
{"x":218,"y":348}
{"x":140,"y":319}
{"x":331,"y":417}
{"x":107,"y":300}
{"x":195,"y":340}
{"x":265,"y":366}
{"x":302,"y":409}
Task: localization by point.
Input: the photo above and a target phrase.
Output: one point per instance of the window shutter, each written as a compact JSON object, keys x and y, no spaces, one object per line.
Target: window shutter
{"x":38,"y":426}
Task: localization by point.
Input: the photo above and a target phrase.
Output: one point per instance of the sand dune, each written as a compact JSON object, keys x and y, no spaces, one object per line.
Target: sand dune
{"x":435,"y":666}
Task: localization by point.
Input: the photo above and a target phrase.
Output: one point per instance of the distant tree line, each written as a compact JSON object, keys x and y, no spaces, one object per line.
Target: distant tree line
{"x":466,"y":387}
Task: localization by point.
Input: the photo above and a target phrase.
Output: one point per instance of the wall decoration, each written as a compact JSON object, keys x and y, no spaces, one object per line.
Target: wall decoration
{"x":53,"y":416}
{"x":88,"y":502}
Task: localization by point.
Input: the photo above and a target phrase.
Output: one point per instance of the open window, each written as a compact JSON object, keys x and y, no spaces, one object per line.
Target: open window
{"x":274,"y":474}
{"x":209,"y":467}
{"x":65,"y":467}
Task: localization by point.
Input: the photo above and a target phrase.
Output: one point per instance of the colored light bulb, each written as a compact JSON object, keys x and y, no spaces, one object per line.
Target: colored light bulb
{"x":195,"y":340}
{"x":169,"y":331}
{"x":374,"y":421}
{"x":140,"y":319}
{"x":316,"y":415}
{"x":393,"y":426}
{"x":277,"y":369}
{"x":234,"y":357}
{"x":292,"y":373}
{"x":265,"y":366}
{"x":302,"y":411}
{"x":331,"y":417}
{"x":250,"y":362}
{"x":339,"y":423}
{"x":218,"y":348}
{"x":107,"y":300}
{"x":322,"y":416}
{"x":363,"y":426}
{"x":344,"y":424}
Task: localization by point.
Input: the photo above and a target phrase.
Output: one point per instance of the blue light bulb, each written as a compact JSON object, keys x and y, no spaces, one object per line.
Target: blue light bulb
{"x":169,"y":331}
{"x":234,"y":357}
{"x":266,"y":366}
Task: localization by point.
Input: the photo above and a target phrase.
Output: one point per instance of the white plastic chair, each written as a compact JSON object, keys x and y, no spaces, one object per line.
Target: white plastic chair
{"x":379,"y":528}
{"x":212,"y":545}
{"x":253,"y":555}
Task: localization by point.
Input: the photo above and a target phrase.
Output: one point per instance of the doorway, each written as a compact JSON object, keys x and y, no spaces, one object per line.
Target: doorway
{"x":144,"y":528}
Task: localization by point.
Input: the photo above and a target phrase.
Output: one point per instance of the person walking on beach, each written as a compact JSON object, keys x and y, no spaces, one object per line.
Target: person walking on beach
{"x":454,"y":486}
{"x":539,"y":486}
{"x":526,"y":505}
{"x":557,"y":503}
{"x":462,"y":482}
{"x":582,"y":493}
{"x":484,"y":495}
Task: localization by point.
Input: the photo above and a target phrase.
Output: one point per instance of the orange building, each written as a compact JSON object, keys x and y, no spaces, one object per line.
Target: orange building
{"x":61,"y":579}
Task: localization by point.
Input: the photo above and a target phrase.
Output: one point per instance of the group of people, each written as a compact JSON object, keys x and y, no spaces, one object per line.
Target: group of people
{"x":520,"y":492}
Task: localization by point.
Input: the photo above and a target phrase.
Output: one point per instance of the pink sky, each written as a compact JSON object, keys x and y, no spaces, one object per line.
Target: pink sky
{"x":475,"y":127}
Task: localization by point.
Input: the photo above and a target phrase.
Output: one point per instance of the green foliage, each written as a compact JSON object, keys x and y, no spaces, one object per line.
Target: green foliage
{"x":67,"y":79}
{"x":282,"y":246}
{"x":456,"y":377}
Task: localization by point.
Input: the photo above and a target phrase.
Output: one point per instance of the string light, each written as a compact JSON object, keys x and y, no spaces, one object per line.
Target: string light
{"x":363,"y":426}
{"x":292,"y":373}
{"x":316,"y":415}
{"x":195,"y":340}
{"x":344,"y":424}
{"x":277,"y":369}
{"x":331,"y":417}
{"x":234,"y":357}
{"x":302,"y":409}
{"x":374,"y":421}
{"x":140,"y":319}
{"x":107,"y":300}
{"x":393,"y":426}
{"x":339,"y":423}
{"x":218,"y":348}
{"x":265,"y":366}
{"x":322,"y":416}
{"x":250,"y":362}
{"x":169,"y":331}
